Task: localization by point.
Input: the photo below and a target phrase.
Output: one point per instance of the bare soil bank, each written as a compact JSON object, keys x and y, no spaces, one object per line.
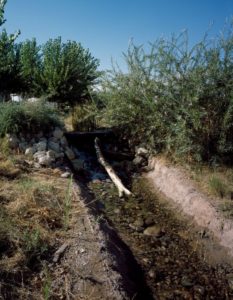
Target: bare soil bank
{"x":175,"y":185}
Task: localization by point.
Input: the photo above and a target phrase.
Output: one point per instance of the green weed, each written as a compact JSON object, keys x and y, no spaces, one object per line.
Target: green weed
{"x":67,"y":204}
{"x":218,"y":187}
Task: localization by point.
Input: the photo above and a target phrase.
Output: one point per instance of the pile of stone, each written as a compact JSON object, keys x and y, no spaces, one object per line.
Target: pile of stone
{"x":46,"y":149}
{"x":141,"y":157}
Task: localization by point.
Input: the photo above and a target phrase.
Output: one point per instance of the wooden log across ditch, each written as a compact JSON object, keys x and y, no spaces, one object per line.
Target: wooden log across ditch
{"x":115,"y":179}
{"x":79,"y":137}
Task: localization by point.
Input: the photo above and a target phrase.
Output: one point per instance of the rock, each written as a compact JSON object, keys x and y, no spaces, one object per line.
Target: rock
{"x":53,"y":139}
{"x":186,"y":282}
{"x":43,"y":139}
{"x":152,"y":230}
{"x":142,"y":152}
{"x":39,"y":154}
{"x":23,"y":146}
{"x":59,"y":155}
{"x":32,"y":141}
{"x":51,"y":154}
{"x":13,"y":141}
{"x":64,"y":142}
{"x":152,"y":274}
{"x":138,"y":160}
{"x":69,"y":153}
{"x":45,"y":160}
{"x":78,"y":164}
{"x":199,"y":290}
{"x":41,"y":146}
{"x":30,"y":151}
{"x":117,"y":211}
{"x":58,"y":133}
{"x":66,"y":175}
{"x":149,"y":221}
{"x":54,"y":146}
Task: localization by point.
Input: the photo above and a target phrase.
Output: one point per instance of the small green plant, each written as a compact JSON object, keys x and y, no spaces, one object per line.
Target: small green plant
{"x":227,"y":208}
{"x":218,"y":187}
{"x":4,"y":147}
{"x":46,"y":288}
{"x":67,"y":203}
{"x":33,"y":243}
{"x":29,"y":184}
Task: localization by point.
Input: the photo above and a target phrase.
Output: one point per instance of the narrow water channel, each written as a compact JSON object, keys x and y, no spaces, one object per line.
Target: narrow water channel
{"x":171,"y":253}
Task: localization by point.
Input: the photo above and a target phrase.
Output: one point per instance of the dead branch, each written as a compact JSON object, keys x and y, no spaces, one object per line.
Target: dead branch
{"x":115,"y":179}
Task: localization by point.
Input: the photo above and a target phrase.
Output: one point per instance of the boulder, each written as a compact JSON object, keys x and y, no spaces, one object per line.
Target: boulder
{"x":64,"y":142}
{"x":69,"y":153}
{"x":41,"y":146}
{"x":54,"y":146}
{"x":138,"y":160}
{"x":142,"y":152}
{"x":43,"y":139}
{"x":45,"y":160}
{"x":39,"y":154}
{"x":53,"y":139}
{"x":58,"y":133}
{"x":51,"y":154}
{"x":30,"y":151}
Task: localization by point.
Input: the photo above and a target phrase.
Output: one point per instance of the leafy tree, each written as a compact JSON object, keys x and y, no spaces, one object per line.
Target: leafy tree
{"x":67,"y":71}
{"x":30,"y":65}
{"x":9,"y":67}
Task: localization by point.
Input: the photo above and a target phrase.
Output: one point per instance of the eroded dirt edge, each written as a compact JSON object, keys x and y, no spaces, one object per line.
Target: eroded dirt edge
{"x":180,"y":190}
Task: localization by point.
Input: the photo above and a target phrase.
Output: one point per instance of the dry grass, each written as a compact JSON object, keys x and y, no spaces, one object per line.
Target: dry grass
{"x":32,"y":218}
{"x":216,"y":182}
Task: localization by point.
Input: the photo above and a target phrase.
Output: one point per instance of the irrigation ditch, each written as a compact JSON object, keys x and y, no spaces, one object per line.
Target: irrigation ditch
{"x":154,"y":250}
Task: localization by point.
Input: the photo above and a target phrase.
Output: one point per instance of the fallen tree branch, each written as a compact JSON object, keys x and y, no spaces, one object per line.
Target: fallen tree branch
{"x":115,"y":179}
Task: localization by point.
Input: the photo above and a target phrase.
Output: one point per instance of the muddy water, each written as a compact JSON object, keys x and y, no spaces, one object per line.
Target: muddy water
{"x":170,"y":251}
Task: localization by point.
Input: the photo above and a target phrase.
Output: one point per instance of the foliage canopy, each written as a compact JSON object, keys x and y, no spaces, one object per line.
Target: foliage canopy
{"x":176,"y":98}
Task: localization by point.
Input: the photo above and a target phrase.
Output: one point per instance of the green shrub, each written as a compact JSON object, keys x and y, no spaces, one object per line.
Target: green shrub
{"x":218,"y":187}
{"x":83,"y":118}
{"x":26,"y":117}
{"x":176,"y":98}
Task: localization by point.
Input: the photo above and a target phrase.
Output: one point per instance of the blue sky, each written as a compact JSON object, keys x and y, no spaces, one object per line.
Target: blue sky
{"x":106,"y":26}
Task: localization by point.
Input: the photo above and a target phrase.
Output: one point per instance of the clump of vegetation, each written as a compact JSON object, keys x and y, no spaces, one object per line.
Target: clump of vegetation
{"x":26,"y":117}
{"x":176,"y":98}
{"x":32,"y":215}
{"x":217,"y":186}
{"x":83,"y":117}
